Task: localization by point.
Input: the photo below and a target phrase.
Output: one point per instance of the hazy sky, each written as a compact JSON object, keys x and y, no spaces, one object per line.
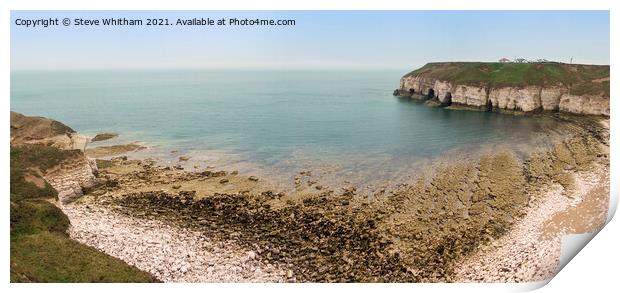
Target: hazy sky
{"x":319,"y":40}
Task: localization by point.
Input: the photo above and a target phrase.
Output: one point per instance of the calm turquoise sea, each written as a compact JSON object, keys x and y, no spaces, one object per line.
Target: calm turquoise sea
{"x":275,"y":121}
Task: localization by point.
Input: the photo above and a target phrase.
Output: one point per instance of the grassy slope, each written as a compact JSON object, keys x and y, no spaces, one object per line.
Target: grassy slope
{"x":581,"y":79}
{"x":41,"y":251}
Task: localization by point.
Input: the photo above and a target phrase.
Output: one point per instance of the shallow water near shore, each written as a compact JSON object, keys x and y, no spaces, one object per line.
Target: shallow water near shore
{"x":342,"y":125}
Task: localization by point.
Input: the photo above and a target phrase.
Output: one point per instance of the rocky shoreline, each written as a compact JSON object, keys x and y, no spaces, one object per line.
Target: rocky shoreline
{"x":475,"y":220}
{"x":168,"y":252}
{"x":317,"y":239}
{"x":538,"y":250}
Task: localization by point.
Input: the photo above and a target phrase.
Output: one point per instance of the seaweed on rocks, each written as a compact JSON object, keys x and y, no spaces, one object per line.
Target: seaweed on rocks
{"x":418,"y":232}
{"x":319,"y":242}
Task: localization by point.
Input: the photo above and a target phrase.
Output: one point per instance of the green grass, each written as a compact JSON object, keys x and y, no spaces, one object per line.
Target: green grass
{"x":580,"y":79}
{"x":40,"y":156}
{"x":27,"y":160}
{"x":22,"y":189}
{"x":41,"y":251}
{"x":53,"y":257}
{"x":35,"y":216}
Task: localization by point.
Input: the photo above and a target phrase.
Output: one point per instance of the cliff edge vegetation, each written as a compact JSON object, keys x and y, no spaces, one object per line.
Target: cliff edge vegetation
{"x":581,"y":79}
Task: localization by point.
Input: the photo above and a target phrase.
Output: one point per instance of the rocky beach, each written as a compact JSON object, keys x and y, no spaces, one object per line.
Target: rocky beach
{"x":495,"y":217}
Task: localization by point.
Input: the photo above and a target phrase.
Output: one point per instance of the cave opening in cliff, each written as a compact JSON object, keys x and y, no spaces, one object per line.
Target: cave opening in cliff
{"x":489,"y":106}
{"x":431,"y":93}
{"x":447,"y":100}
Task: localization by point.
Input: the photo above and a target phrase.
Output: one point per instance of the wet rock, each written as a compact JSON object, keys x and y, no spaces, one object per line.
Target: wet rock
{"x":218,"y":174}
{"x":104,"y":136}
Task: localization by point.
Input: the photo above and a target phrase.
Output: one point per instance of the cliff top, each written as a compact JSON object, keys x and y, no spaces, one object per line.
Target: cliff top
{"x":24,"y":128}
{"x":580,"y":78}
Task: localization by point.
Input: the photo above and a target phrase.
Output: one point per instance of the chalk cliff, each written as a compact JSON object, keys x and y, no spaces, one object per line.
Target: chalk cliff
{"x":75,"y":171}
{"x":579,"y":89}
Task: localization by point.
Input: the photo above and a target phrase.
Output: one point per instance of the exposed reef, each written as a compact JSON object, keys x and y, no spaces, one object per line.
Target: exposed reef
{"x":104,"y":136}
{"x":113,"y":150}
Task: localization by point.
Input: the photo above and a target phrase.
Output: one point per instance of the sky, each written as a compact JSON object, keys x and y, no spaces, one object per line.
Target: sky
{"x":319,"y":40}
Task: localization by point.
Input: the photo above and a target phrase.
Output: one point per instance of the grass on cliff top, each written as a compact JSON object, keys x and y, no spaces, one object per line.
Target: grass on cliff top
{"x":581,"y":79}
{"x":41,"y":251}
{"x":53,"y":257}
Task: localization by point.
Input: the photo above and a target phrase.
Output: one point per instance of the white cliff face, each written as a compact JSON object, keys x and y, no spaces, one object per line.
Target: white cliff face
{"x":520,"y":99}
{"x":442,"y":88}
{"x":72,"y":141}
{"x":72,"y":176}
{"x":594,"y":105}
{"x":79,"y":142}
{"x":420,"y":85}
{"x":527,"y":99}
{"x":469,"y":95}
{"x":550,"y":97}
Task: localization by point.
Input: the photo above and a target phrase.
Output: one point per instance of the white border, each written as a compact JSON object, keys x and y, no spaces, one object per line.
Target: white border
{"x":594,"y":268}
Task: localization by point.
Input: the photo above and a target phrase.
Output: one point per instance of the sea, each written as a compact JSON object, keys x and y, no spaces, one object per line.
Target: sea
{"x":342,"y":125}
